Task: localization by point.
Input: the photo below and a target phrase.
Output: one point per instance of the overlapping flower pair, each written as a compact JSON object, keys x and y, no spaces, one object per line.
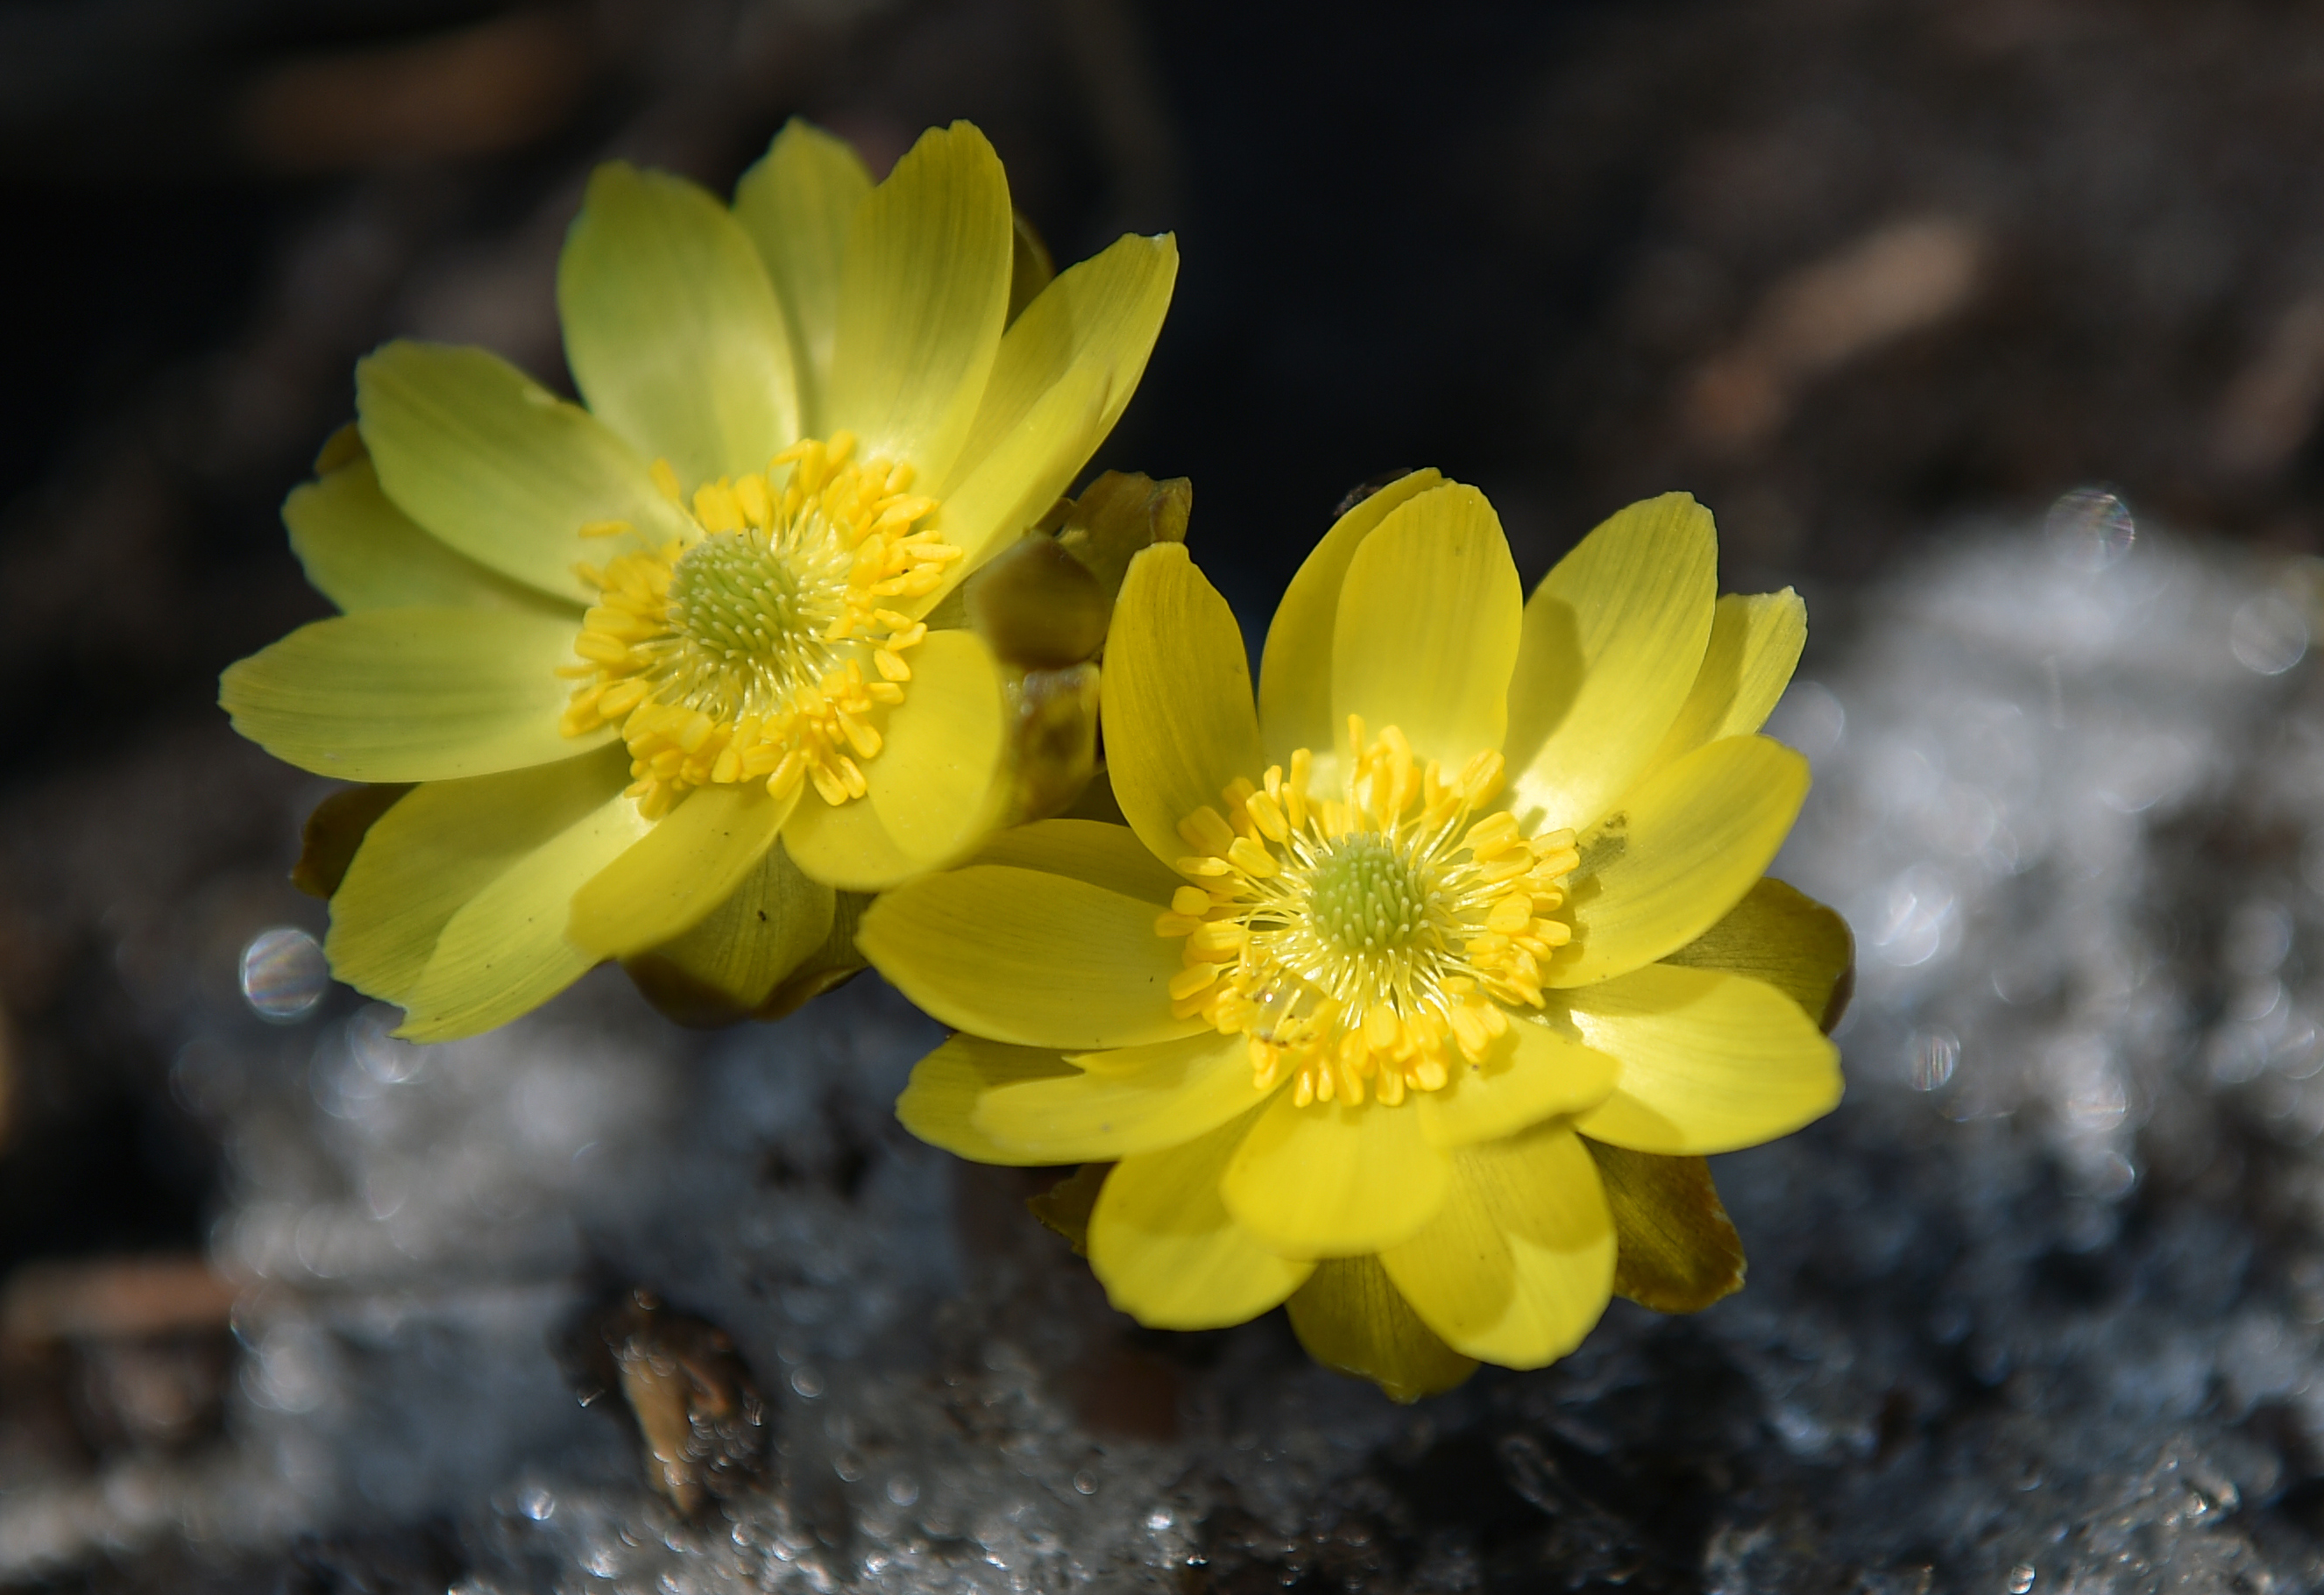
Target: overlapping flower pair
{"x":1411,"y":993}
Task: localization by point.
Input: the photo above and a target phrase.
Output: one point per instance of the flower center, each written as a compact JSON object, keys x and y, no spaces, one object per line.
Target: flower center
{"x":1360,"y":942}
{"x":759,"y":644}
{"x":1367,"y":896}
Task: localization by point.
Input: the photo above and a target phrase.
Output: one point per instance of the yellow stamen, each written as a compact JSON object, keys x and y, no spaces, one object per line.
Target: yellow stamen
{"x":1360,"y":942}
{"x":760,"y":644}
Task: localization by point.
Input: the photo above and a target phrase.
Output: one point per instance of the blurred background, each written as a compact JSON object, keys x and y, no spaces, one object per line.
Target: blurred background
{"x":1846,"y":270}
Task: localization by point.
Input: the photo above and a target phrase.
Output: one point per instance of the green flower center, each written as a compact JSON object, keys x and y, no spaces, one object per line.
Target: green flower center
{"x":749,"y":617}
{"x":764,"y":643}
{"x":1368,"y":897}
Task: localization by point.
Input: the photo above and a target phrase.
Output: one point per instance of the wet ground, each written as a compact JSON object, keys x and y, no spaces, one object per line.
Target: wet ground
{"x":290,"y":1307}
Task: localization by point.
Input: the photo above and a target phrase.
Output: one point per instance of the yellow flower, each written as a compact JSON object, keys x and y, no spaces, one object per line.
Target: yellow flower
{"x":1341,"y":1002}
{"x":623,"y":647}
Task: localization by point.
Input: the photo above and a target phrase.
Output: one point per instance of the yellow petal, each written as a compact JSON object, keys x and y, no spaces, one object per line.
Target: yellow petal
{"x":1428,"y":630}
{"x":1677,"y":1251}
{"x":694,"y":859}
{"x":1534,"y":1073}
{"x":505,"y":952}
{"x":438,"y":847}
{"x":947,"y":1084}
{"x":940,"y":784}
{"x":1785,"y":938}
{"x":497,"y":466}
{"x":1014,"y":485}
{"x":1614,"y":638}
{"x":923,"y":294}
{"x":1710,"y":1062}
{"x":1037,"y":960}
{"x":1179,"y":725}
{"x":796,"y":205}
{"x":1103,"y":854}
{"x":410,"y":694}
{"x":1682,"y":852}
{"x":1519,"y":1262}
{"x":732,"y":963}
{"x":1350,"y":1317}
{"x":1161,"y":1243}
{"x":1330,"y":1180}
{"x":1102,"y":315}
{"x":671,"y":327}
{"x":1140,"y":1099}
{"x":1294,"y":671}
{"x":361,"y":552}
{"x":1756,"y":640}
{"x":847,"y":847}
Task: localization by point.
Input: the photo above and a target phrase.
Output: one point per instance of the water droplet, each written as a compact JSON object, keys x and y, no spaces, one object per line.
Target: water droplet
{"x":2021,"y":1579}
{"x":283,"y":975}
{"x":807,"y":1382}
{"x":1085,"y":1483}
{"x":537,"y":1504}
{"x":1913,"y":917}
{"x":2089,"y":530}
{"x":2258,"y":938}
{"x":903,"y":1489}
{"x":1936,"y":1053}
{"x":1160,"y":1519}
{"x":2269,"y":635}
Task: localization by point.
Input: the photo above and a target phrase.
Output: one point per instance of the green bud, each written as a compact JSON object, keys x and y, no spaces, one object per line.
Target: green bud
{"x":334,"y":831}
{"x":770,"y":928}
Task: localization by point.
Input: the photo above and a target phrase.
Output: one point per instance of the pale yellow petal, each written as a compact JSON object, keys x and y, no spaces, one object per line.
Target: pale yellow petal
{"x":1331,"y":1180}
{"x":1016,"y":484}
{"x":1710,"y":1062}
{"x":1756,"y":640}
{"x":361,"y":552}
{"x":694,"y":858}
{"x":941,"y":782}
{"x":439,"y":847}
{"x":1178,"y":718}
{"x":505,"y":952}
{"x":1103,"y":854}
{"x":1161,"y":1243}
{"x":671,"y":327}
{"x":1517,"y":1266}
{"x":1102,"y":315}
{"x":1430,"y":612}
{"x":410,"y":694}
{"x":1134,"y":1099}
{"x":1678,"y":854}
{"x":1533,"y":1074}
{"x":1294,"y":671}
{"x":1352,"y":1318}
{"x":1614,"y":638}
{"x":497,"y":466}
{"x":947,"y":1083}
{"x":923,"y":295}
{"x":1037,"y":960}
{"x":796,"y":205}
{"x":847,"y":847}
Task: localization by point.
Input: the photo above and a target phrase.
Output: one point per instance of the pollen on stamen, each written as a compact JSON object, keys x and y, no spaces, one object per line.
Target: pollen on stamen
{"x":763,"y":643}
{"x":1369,"y":943}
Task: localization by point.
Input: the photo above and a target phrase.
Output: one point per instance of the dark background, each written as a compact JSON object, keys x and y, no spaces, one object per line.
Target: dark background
{"x":1850,"y":271}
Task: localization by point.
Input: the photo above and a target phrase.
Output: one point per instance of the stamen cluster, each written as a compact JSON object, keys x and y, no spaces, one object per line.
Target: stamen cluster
{"x":738,"y":651}
{"x":1361,"y":942}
